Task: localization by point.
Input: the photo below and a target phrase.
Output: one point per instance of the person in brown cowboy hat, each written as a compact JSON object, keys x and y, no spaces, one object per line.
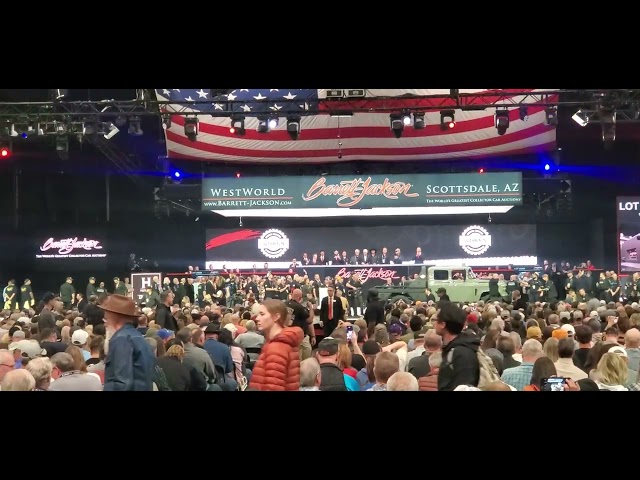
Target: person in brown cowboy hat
{"x":130,"y":363}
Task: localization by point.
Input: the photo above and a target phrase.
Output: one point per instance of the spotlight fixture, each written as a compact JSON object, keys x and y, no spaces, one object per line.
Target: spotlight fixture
{"x":191,"y":128}
{"x":111,"y":131}
{"x":293,"y":127}
{"x":523,"y":111}
{"x":273,"y":122}
{"x":397,"y":124}
{"x":120,"y":121}
{"x":447,"y":119}
{"x":62,"y":144}
{"x":166,"y":121}
{"x":59,"y":94}
{"x":237,"y":125}
{"x":406,"y":119}
{"x":551,"y":116}
{"x":418,"y":120}
{"x":581,"y":118}
{"x":608,"y":125}
{"x":5,"y":151}
{"x":502,"y":121}
{"x":134,"y":127}
{"x":88,"y":127}
{"x":263,"y":125}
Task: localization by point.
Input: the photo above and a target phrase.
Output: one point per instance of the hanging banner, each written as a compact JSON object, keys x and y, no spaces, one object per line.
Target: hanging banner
{"x":362,"y":192}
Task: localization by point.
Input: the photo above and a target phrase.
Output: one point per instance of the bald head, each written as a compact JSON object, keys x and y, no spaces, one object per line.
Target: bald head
{"x":296,"y":295}
{"x":632,"y":338}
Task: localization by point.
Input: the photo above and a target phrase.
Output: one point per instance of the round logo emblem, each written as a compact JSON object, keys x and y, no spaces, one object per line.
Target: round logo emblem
{"x":273,"y":243}
{"x":475,"y":240}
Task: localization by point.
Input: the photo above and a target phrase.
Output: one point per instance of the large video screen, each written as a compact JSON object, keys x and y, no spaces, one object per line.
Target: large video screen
{"x":69,"y":250}
{"x":629,"y":230}
{"x":473,"y":245}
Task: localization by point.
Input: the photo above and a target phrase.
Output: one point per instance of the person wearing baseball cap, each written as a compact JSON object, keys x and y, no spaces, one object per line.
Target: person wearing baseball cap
{"x":124,"y":343}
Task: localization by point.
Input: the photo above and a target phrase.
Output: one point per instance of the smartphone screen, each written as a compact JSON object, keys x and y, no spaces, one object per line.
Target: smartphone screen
{"x":349,"y":332}
{"x":553,"y":384}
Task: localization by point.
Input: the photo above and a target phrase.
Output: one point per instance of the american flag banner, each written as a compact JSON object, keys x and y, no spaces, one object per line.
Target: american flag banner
{"x":362,"y":136}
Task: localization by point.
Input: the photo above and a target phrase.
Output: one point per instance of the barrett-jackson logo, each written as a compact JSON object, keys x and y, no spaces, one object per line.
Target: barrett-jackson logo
{"x":352,"y":192}
{"x":68,"y":245}
{"x":367,"y":273}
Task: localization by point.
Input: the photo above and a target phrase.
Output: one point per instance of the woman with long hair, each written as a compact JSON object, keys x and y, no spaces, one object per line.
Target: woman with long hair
{"x":177,"y":375}
{"x":278,"y":367}
{"x":344,"y":363}
{"x":542,"y":368}
{"x":238,"y":356}
{"x":611,"y":373}
{"x":550,"y":349}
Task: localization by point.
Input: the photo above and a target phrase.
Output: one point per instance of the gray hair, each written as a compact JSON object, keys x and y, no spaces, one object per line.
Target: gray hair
{"x":435,"y":360}
{"x":18,"y":381}
{"x":309,"y":371}
{"x":63,"y":362}
{"x":532,"y":348}
{"x":402,"y":382}
{"x":250,"y":325}
{"x":40,"y":368}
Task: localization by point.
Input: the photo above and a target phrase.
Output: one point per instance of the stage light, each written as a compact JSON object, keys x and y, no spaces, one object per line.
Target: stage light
{"x":177,"y":174}
{"x":134,"y":127}
{"x":5,"y":152}
{"x":481,"y":170}
{"x":447,"y":119}
{"x":547,"y":167}
{"x":273,"y":123}
{"x":581,"y":118}
{"x":58,"y":94}
{"x":551,"y":116}
{"x":406,"y":119}
{"x":263,"y":125}
{"x":418,"y":120}
{"x":397,"y":124}
{"x":523,"y":111}
{"x":191,"y":128}
{"x":112,"y":131}
{"x":293,"y":127}
{"x":62,"y":144}
{"x":608,"y":124}
{"x":502,"y":121}
{"x":237,"y":125}
{"x":238,"y":175}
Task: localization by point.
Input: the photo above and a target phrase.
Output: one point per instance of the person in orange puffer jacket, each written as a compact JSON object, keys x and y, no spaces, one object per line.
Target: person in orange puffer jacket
{"x":430,"y":382}
{"x":278,"y":367}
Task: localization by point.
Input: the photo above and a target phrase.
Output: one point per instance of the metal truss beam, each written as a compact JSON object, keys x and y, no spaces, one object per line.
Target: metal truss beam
{"x":146,"y":104}
{"x":118,"y":158}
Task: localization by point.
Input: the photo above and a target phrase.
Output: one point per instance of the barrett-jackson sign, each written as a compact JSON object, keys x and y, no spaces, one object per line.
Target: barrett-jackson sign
{"x":73,"y":247}
{"x":373,"y":191}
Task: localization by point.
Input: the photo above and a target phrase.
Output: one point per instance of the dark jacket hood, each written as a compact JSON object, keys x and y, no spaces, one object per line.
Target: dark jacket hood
{"x":470,"y":341}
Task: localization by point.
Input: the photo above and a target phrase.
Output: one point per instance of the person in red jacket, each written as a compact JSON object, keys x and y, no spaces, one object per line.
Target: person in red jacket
{"x":278,"y":367}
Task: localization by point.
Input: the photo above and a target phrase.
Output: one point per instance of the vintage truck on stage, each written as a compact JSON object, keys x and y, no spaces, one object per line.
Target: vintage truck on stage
{"x":461,"y":283}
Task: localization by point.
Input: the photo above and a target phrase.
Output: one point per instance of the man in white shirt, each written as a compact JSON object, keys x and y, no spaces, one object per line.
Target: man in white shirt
{"x":564,"y":366}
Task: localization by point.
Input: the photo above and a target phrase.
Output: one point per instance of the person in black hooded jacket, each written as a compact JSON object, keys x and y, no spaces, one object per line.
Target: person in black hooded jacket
{"x":460,"y":364}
